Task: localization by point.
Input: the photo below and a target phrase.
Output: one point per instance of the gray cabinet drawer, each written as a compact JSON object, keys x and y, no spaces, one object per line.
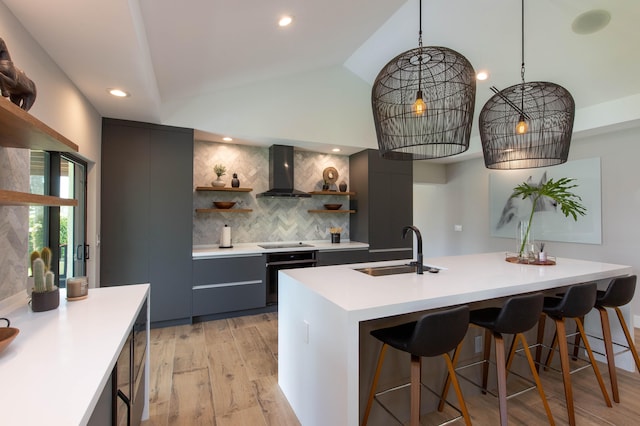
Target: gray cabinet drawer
{"x":228,"y":284}
{"x":342,"y":257}
{"x":227,"y":297}
{"x":229,"y":269}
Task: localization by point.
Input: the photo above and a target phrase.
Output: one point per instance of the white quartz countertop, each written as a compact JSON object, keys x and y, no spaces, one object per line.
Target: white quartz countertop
{"x":465,"y":279}
{"x":246,"y":249}
{"x":55,"y":370}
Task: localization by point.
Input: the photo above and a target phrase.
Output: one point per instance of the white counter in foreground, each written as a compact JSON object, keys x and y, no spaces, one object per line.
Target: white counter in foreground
{"x":55,"y":370}
{"x":320,"y":310}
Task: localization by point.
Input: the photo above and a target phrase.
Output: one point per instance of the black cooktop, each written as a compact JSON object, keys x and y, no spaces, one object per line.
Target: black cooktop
{"x":283,"y":245}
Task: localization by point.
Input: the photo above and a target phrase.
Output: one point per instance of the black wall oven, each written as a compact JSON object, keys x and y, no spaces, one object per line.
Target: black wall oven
{"x":285,"y":260}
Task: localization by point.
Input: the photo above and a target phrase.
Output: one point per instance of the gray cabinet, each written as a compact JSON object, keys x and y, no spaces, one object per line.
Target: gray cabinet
{"x":146,"y":211}
{"x":342,"y":257}
{"x":228,"y":284}
{"x":383,"y":202}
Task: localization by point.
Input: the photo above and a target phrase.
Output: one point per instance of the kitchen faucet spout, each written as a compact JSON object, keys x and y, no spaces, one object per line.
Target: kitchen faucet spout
{"x":419,"y":260}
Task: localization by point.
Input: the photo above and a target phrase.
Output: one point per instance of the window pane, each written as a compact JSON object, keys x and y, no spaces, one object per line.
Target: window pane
{"x":37,"y":214}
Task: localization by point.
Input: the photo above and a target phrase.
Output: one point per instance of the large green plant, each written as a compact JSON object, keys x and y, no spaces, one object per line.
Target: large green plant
{"x":559,"y":191}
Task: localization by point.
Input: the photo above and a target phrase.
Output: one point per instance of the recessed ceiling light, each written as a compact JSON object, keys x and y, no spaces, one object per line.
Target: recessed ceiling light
{"x":118,"y":93}
{"x":285,"y":21}
{"x":227,"y":139}
{"x":591,"y":21}
{"x":482,"y":75}
{"x":336,"y":150}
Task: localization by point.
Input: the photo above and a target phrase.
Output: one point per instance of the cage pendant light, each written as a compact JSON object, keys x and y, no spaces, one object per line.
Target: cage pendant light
{"x":423,"y":102}
{"x":527,"y":125}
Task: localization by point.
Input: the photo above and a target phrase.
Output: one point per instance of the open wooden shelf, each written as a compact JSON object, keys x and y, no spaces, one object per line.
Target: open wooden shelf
{"x":331,"y":193}
{"x":224,"y":210}
{"x":222,"y":188}
{"x":18,"y":129}
{"x":331,"y":211}
{"x":15,"y":198}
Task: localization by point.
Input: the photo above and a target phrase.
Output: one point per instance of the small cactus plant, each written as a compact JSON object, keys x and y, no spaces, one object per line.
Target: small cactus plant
{"x":39,"y":285}
{"x":43,"y":278}
{"x":45,"y":295}
{"x":45,"y":255}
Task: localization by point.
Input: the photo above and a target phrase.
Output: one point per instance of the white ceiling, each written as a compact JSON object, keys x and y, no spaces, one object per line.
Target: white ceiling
{"x":225,"y":67}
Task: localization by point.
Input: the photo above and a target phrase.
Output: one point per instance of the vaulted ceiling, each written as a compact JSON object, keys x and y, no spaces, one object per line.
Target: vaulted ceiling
{"x":224,"y":67}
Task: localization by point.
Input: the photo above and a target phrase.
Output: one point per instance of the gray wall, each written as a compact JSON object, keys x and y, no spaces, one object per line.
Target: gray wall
{"x":464,"y":200}
{"x":272,"y":219}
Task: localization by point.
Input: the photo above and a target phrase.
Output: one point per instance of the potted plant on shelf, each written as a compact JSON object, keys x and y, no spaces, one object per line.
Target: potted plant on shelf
{"x":219,"y":170}
{"x":559,"y":192}
{"x":45,"y":295}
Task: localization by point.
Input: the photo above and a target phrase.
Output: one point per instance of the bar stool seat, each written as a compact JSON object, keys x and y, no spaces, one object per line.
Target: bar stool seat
{"x":576,"y":302}
{"x":433,"y":334}
{"x":518,"y":315}
{"x":619,"y":292}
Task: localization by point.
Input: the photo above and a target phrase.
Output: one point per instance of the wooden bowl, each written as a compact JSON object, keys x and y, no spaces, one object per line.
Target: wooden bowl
{"x":224,"y":204}
{"x":332,"y":206}
{"x":7,"y":334}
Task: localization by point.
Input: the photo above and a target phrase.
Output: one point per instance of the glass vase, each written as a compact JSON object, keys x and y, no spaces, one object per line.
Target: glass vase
{"x":526,"y":247}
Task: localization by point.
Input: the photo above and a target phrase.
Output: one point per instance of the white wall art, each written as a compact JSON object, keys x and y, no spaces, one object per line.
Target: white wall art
{"x":549,"y":223}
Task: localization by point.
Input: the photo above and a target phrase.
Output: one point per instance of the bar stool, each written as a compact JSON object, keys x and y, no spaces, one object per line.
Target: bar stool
{"x":433,"y":334}
{"x":575,"y":304}
{"x":518,"y":315}
{"x":619,"y":292}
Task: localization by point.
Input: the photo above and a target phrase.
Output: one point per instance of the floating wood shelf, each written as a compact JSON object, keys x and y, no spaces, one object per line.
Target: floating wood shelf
{"x":331,"y":211}
{"x":331,"y":193}
{"x":222,"y":188}
{"x":19,"y":129}
{"x":15,"y":198}
{"x":224,"y":210}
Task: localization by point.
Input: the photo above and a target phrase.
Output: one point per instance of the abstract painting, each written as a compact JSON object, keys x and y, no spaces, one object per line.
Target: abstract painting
{"x":549,"y":223}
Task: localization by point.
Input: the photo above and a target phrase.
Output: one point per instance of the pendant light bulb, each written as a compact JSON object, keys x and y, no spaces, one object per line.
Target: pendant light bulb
{"x":419,"y":107}
{"x":522,"y":127}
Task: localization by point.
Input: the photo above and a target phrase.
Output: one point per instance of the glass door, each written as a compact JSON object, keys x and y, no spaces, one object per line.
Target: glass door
{"x":63,"y":227}
{"x":73,"y":248}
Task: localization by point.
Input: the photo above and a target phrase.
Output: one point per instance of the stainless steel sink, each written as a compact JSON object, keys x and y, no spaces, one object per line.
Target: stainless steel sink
{"x":378,"y":271}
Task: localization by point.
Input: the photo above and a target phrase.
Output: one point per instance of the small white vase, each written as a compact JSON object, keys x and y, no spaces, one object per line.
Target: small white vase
{"x":218,"y":182}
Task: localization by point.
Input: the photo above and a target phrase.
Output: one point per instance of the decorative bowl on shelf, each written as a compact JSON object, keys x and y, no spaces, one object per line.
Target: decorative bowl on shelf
{"x":332,"y":206}
{"x":7,"y":334}
{"x":224,"y":204}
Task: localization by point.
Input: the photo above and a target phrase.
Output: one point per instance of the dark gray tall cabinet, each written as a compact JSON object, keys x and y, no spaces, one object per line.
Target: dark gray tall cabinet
{"x":383,"y":202}
{"x":146,"y":213}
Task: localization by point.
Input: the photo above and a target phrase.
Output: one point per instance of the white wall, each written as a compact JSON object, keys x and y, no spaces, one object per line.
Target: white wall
{"x":464,"y":200}
{"x":61,"y":106}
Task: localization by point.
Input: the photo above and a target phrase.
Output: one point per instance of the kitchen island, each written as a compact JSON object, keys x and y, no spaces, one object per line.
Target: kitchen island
{"x":321,"y":311}
{"x":57,"y":368}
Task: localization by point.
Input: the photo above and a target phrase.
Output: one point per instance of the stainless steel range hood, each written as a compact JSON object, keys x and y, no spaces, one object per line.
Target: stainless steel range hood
{"x":281,"y":174}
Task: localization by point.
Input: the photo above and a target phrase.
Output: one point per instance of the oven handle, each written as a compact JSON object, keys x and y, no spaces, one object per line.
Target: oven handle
{"x":293,"y":262}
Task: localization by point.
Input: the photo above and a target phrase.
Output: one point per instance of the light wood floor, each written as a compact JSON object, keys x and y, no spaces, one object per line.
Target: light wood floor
{"x":225,"y":373}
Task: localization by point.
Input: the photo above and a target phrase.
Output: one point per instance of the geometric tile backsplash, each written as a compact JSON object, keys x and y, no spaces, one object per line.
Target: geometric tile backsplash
{"x":271,"y":219}
{"x":14,"y":223}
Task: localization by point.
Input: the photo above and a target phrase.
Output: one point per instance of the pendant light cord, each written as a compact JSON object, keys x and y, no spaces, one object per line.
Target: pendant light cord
{"x":420,"y":54}
{"x":522,"y":46}
{"x":522,"y":66}
{"x":420,"y":32}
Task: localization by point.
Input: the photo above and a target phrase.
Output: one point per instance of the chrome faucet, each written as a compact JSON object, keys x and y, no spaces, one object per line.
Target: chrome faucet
{"x":418,"y":263}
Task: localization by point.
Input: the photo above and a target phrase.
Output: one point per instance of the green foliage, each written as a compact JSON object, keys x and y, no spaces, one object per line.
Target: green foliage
{"x":559,"y":191}
{"x":219,"y":169}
